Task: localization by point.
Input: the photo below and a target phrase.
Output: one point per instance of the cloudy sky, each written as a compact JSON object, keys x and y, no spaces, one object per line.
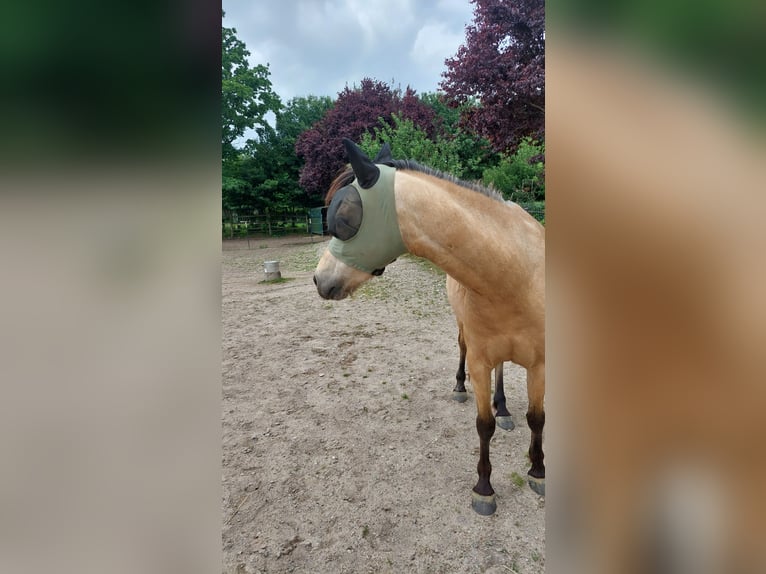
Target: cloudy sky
{"x":320,"y":46}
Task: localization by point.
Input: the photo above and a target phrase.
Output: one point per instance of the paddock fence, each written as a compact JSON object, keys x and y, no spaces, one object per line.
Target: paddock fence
{"x":536,"y":210}
{"x":311,"y":221}
{"x":274,"y":224}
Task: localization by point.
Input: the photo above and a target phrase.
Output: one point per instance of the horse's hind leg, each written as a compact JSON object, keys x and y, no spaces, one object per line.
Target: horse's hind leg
{"x":502,"y":416}
{"x":459,"y":393}
{"x":536,"y":421}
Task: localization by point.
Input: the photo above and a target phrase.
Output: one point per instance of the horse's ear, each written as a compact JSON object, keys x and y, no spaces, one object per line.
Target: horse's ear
{"x":365,"y":170}
{"x":384,"y":156}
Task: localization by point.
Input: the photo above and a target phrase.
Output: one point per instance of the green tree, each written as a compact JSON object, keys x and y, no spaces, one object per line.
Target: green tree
{"x":236,"y":186}
{"x":474,"y":152}
{"x":520,"y":176}
{"x":409,"y":141}
{"x":278,"y":167}
{"x":246,"y":98}
{"x":451,"y":149}
{"x":246,"y":93}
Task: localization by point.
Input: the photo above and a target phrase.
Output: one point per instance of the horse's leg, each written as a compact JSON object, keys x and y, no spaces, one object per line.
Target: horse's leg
{"x":459,"y":393}
{"x":483,"y":495}
{"x":536,"y":421}
{"x":502,"y":416}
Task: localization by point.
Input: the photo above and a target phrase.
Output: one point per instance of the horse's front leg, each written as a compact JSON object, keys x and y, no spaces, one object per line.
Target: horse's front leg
{"x":483,"y":495}
{"x":536,"y":421}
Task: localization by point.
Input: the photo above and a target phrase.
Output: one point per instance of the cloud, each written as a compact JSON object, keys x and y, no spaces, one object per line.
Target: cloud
{"x":381,"y":20}
{"x":318,"y":47}
{"x":433,"y":44}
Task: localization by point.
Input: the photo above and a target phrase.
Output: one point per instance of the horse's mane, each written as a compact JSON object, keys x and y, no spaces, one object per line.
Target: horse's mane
{"x":346,"y":175}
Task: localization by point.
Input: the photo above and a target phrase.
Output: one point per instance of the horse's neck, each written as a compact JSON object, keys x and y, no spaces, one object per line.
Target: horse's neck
{"x":477,"y":240}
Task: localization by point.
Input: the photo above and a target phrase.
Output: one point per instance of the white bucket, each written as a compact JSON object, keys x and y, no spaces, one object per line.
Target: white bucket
{"x":271,"y":269}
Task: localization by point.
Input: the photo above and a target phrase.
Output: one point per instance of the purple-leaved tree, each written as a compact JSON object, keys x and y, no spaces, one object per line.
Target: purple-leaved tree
{"x":356,"y":111}
{"x":501,"y":66}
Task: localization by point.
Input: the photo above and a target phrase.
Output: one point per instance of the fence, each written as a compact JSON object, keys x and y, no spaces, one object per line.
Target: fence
{"x":265,"y":224}
{"x":536,"y":210}
{"x":313,"y":221}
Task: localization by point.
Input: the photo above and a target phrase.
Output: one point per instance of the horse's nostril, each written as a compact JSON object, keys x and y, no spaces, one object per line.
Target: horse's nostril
{"x":315,"y":279}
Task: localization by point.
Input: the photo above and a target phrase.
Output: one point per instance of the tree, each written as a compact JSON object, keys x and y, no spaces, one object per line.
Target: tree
{"x":265,"y":174}
{"x":520,"y":176}
{"x":236,"y":186}
{"x":409,"y":141}
{"x":474,"y":153}
{"x":502,"y":66}
{"x":456,"y":153}
{"x":246,"y":94}
{"x":274,"y":153}
{"x":356,"y":111}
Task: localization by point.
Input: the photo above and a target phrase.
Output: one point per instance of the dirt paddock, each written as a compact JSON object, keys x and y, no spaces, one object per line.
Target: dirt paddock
{"x":343,"y":451}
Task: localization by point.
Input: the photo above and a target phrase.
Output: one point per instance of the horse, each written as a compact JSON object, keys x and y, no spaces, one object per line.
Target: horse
{"x":382,"y":208}
{"x":456,"y":297}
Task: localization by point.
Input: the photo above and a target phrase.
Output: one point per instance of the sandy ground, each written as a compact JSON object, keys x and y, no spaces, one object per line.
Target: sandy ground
{"x":343,"y":450}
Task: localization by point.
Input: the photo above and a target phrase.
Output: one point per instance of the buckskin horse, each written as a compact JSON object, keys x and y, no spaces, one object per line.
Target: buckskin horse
{"x":456,"y":297}
{"x":380,"y":209}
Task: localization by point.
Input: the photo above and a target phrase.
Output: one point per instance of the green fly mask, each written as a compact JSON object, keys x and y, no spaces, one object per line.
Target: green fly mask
{"x":362,"y":215}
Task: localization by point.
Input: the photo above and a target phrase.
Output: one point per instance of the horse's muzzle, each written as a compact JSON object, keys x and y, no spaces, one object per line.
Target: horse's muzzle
{"x":329,"y":289}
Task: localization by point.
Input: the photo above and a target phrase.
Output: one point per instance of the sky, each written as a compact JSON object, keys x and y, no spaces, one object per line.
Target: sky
{"x":320,"y":46}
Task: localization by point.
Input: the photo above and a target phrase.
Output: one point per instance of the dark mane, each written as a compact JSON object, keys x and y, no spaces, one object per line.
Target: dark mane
{"x":412,"y":165}
{"x":346,"y":175}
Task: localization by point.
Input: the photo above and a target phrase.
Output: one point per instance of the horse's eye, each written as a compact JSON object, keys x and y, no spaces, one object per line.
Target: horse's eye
{"x":344,"y":216}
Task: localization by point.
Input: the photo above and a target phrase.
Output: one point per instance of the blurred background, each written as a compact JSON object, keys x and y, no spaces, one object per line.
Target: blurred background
{"x":110,"y":288}
{"x":655,"y":180}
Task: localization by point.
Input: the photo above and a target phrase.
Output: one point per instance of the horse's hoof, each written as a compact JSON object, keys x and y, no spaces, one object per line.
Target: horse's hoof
{"x":537,"y":484}
{"x":484,"y":505}
{"x":459,"y":396}
{"x":505,"y":423}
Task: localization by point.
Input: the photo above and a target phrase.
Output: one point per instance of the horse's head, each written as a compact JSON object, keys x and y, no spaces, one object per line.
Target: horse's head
{"x":361,"y":218}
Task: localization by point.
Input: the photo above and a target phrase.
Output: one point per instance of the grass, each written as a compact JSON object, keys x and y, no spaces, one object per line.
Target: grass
{"x":380,"y":288}
{"x":517,"y":479}
{"x":277,"y":280}
{"x":304,"y":258}
{"x":365,"y":531}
